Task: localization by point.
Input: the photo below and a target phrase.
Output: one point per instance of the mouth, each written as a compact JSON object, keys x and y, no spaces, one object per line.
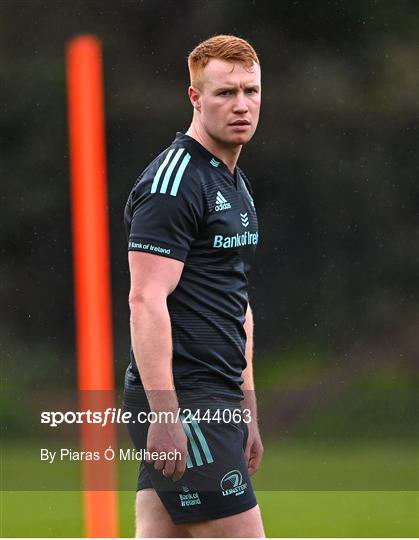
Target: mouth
{"x":240,"y":123}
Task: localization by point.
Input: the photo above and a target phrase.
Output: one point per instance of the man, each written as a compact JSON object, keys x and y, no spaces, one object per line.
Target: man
{"x":192,"y":231}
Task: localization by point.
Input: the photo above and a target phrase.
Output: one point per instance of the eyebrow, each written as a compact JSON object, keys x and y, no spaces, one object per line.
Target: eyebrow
{"x":228,"y":86}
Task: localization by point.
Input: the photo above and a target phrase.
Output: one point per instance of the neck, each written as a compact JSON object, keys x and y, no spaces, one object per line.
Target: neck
{"x":228,"y":154}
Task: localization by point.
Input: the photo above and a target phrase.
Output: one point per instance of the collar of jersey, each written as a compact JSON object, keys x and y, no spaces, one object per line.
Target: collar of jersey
{"x":182,"y":137}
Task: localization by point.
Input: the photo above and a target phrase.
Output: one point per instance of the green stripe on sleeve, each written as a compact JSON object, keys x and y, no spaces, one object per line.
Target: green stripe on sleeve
{"x":160,"y":170}
{"x":170,"y":170}
{"x":179,"y":175}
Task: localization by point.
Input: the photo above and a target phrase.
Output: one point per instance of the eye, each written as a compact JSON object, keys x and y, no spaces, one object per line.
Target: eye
{"x":224,"y":93}
{"x":251,"y":91}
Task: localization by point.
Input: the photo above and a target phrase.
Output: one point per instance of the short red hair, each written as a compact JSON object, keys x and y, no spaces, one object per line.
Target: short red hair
{"x":224,"y":47}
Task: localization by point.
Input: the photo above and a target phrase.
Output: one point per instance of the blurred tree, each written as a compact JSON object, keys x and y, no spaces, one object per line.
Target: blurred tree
{"x":337,"y":144}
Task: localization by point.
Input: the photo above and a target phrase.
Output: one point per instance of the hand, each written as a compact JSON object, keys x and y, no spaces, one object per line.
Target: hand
{"x":254,"y":449}
{"x":168,"y":437}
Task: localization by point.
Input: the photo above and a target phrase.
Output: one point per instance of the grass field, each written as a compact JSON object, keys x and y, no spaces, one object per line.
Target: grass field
{"x":290,"y":513}
{"x":313,"y":491}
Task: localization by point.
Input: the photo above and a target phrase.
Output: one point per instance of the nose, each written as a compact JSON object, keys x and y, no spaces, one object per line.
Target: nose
{"x":240,"y":104}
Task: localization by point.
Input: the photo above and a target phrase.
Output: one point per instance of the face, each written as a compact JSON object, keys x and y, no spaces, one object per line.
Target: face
{"x":227,"y":101}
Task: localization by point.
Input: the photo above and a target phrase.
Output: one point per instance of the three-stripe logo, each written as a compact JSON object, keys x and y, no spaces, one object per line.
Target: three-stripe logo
{"x":221,"y":202}
{"x":193,"y":427}
{"x":170,"y":163}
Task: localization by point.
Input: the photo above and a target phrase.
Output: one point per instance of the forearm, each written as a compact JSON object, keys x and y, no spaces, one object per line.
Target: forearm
{"x":151,"y":340}
{"x":248,"y":386}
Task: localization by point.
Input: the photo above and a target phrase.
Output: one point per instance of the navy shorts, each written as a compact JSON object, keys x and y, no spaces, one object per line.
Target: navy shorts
{"x":216,"y":483}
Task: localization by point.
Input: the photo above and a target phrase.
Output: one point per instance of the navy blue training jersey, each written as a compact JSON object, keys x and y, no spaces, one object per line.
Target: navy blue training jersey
{"x":187,"y":205}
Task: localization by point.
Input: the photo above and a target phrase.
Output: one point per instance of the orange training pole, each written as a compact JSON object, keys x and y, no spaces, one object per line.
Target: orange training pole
{"x":91,"y":266}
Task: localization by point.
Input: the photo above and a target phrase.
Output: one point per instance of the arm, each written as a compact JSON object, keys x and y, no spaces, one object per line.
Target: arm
{"x":153,"y":278}
{"x":248,"y":385}
{"x":254,"y":447}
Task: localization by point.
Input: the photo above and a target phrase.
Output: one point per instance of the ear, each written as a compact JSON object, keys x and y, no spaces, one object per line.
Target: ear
{"x":195,"y":97}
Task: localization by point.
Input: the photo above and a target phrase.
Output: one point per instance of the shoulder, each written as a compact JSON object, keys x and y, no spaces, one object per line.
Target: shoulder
{"x":173,"y":172}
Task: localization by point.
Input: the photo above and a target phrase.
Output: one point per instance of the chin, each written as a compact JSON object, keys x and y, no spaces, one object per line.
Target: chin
{"x":240,"y":139}
{"x":233,"y":140}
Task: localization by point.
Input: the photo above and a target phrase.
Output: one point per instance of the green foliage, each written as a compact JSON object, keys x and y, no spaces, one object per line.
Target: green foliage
{"x":14,"y":419}
{"x":375,"y":406}
{"x":333,"y":162}
{"x":291,"y":366}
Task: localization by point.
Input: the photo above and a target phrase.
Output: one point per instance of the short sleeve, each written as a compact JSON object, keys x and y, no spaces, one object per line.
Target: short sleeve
{"x":164,"y":218}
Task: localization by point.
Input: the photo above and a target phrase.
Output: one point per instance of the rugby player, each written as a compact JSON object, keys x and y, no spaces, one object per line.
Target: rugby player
{"x":192,"y":231}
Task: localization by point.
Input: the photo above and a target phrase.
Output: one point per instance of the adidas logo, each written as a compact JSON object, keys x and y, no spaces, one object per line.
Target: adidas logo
{"x":221,"y":203}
